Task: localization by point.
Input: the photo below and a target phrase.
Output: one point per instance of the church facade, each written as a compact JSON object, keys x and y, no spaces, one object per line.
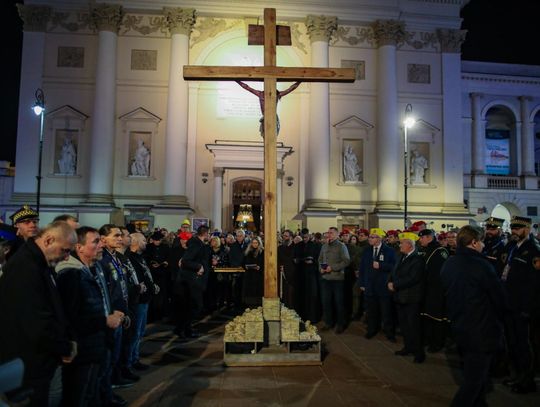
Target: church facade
{"x":126,"y":139}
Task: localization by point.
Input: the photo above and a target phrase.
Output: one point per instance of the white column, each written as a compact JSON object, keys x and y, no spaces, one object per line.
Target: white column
{"x":107,"y":19}
{"x":180,"y":22}
{"x":35,"y":20}
{"x":451,"y":41}
{"x":389,"y":156}
{"x":191,"y":161}
{"x":478,"y":135}
{"x":320,"y":29}
{"x":218,"y":198}
{"x":527,"y":138}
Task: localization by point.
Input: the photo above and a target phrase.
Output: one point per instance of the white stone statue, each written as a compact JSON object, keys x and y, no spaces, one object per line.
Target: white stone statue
{"x":351,"y":169}
{"x":419,"y":165}
{"x":67,"y":164}
{"x":141,"y":160}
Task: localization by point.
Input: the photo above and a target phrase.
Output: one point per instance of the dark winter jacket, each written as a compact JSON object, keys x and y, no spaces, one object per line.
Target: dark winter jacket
{"x":86,"y":308}
{"x":408,"y":279}
{"x":475,"y":301}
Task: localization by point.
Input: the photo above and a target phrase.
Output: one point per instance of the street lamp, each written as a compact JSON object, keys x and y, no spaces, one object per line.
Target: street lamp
{"x":39,"y":110}
{"x":408,"y":122}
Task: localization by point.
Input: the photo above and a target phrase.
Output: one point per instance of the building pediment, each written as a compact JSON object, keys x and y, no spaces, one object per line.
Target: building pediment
{"x":67,"y":111}
{"x":424,"y":129}
{"x":354,"y":122}
{"x":140,"y":114}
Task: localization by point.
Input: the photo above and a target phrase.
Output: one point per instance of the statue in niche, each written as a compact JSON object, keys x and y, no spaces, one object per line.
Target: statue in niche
{"x":260,"y":95}
{"x":419,"y":165}
{"x":141,"y":160}
{"x":67,"y":164}
{"x":351,"y":169}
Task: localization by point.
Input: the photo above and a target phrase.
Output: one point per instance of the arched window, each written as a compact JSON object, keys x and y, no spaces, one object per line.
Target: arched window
{"x":501,"y":152}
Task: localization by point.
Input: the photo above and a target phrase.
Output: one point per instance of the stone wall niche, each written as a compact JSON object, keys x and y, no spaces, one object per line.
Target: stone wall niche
{"x":139,"y":128}
{"x":66,"y":147}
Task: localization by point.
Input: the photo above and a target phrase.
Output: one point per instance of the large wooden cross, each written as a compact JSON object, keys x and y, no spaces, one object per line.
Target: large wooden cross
{"x":270,"y":74}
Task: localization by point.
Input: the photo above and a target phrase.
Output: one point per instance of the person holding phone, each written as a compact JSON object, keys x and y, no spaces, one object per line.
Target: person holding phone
{"x":333,"y":259}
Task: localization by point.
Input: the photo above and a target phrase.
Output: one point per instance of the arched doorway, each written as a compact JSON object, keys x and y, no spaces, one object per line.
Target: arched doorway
{"x":247,"y":204}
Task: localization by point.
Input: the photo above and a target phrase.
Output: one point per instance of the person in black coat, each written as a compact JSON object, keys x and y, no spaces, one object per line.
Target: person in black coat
{"x":236,"y":259}
{"x":288,"y":258}
{"x":434,"y":308}
{"x":34,"y":326}
{"x":521,"y":280}
{"x":475,"y":303}
{"x":86,"y":301}
{"x":407,"y":283}
{"x":194,"y":265}
{"x":253,"y":287}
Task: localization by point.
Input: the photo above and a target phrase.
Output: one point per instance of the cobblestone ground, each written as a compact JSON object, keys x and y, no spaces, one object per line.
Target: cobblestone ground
{"x":355,"y":372}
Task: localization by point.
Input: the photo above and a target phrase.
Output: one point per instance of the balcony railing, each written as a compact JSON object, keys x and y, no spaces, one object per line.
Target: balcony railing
{"x":503,"y":183}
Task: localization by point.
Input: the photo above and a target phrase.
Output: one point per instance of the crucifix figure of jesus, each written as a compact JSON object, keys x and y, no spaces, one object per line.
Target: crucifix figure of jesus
{"x":260,"y":95}
{"x":270,"y":74}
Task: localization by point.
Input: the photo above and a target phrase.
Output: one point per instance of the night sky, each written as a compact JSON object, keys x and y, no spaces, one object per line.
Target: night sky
{"x":497,"y":30}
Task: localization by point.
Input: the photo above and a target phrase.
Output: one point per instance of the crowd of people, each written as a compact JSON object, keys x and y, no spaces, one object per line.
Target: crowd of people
{"x":76,"y":300}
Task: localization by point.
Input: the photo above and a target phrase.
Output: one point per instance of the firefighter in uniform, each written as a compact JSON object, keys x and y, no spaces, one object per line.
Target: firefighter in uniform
{"x":521,"y":278}
{"x":494,"y":243}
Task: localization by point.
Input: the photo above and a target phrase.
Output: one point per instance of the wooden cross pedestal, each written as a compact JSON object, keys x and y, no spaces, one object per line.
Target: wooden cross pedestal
{"x":270,"y":74}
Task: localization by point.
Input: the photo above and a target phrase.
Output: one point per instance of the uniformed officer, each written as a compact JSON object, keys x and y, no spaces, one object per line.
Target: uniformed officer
{"x":26,"y":221}
{"x":521,"y":277}
{"x":494,"y":243}
{"x":434,"y":304}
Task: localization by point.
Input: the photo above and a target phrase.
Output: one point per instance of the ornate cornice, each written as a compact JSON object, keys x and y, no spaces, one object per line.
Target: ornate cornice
{"x":451,"y":39}
{"x":144,"y":25}
{"x":321,"y":28}
{"x":180,"y":20}
{"x":35,"y":18}
{"x":389,"y":32}
{"x":499,"y":79}
{"x":106,"y":17}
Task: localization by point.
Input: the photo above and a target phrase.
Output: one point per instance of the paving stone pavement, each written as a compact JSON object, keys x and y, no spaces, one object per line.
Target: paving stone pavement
{"x":355,"y":372}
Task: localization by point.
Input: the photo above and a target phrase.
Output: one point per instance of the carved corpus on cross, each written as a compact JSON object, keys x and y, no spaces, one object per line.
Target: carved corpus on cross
{"x":270,"y":74}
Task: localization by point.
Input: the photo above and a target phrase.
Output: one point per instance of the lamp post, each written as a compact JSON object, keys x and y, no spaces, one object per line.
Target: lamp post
{"x":39,"y":110}
{"x":408,"y":122}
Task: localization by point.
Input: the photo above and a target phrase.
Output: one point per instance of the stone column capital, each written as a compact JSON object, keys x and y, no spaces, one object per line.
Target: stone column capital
{"x":35,"y":18}
{"x":525,"y":99}
{"x":106,"y":17}
{"x":321,"y":28}
{"x":451,"y":39}
{"x":180,"y":20}
{"x":476,"y":95}
{"x":218,"y":172}
{"x":388,"y":32}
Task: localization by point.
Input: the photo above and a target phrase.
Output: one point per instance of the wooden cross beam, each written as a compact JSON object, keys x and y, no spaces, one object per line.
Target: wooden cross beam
{"x":270,"y":74}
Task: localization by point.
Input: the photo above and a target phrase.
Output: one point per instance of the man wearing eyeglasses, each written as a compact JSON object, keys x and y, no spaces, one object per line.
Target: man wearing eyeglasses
{"x":521,"y":278}
{"x":33,"y":322}
{"x":375,"y":266}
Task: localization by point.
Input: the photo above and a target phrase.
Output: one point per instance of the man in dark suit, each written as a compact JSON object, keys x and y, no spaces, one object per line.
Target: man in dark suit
{"x":375,"y":266}
{"x":406,"y":282}
{"x":34,"y":326}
